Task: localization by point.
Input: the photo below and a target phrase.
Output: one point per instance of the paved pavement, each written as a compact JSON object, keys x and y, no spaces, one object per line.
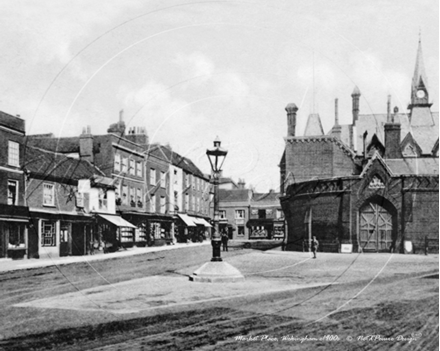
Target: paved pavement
{"x":13,"y":265}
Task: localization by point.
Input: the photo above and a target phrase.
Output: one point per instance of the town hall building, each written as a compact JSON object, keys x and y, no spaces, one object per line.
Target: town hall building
{"x":371,"y":185}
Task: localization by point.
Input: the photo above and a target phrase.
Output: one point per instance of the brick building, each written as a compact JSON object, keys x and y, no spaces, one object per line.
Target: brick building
{"x":14,"y":215}
{"x":371,"y":184}
{"x":64,"y":195}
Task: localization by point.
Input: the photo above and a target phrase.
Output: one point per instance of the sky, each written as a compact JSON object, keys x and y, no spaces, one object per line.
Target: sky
{"x":189,"y":71}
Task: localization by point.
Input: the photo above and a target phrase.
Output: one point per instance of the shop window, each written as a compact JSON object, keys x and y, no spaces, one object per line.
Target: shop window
{"x":12,"y":192}
{"x":48,"y":194}
{"x":64,"y":232}
{"x":155,"y":230}
{"x":126,"y":234}
{"x":16,"y":234}
{"x":240,"y":230}
{"x":140,"y":233}
{"x":48,"y":234}
{"x":13,"y":154}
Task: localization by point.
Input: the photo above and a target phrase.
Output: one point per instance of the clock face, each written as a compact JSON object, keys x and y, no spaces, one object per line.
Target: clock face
{"x":420,"y":94}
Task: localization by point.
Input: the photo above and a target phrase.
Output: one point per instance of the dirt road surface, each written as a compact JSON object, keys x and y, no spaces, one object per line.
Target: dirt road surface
{"x":336,"y":302}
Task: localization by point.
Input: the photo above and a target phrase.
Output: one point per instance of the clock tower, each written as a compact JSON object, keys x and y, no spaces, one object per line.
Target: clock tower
{"x":420,"y":108}
{"x":419,"y":85}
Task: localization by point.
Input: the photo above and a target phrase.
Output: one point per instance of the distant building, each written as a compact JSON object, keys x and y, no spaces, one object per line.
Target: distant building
{"x":246,"y":215}
{"x":372,"y":184}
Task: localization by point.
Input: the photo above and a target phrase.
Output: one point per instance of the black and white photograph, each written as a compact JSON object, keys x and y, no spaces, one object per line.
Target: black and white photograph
{"x":219,"y":175}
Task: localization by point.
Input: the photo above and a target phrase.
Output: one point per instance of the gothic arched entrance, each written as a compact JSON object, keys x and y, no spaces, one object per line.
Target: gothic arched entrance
{"x":376,"y":227}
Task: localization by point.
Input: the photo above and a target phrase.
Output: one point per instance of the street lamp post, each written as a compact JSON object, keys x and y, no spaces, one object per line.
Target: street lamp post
{"x":216,"y":157}
{"x":217,"y":270}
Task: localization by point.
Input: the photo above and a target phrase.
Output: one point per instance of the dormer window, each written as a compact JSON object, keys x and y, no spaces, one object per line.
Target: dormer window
{"x":409,"y":151}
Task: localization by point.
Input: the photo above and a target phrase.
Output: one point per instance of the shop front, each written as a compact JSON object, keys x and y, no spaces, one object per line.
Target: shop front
{"x":260,"y":229}
{"x":151,"y":230}
{"x":14,"y":221}
{"x":112,"y":233}
{"x":57,"y":235}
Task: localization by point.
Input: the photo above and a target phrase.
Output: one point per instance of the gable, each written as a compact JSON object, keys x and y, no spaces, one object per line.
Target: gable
{"x":409,"y":147}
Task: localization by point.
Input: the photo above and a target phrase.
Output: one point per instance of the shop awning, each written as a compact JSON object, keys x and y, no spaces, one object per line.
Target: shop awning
{"x":201,"y":221}
{"x":187,"y":220}
{"x":117,"y":221}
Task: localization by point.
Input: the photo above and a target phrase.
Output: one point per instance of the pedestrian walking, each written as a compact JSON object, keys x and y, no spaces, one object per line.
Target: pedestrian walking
{"x":225,"y":239}
{"x":315,"y":244}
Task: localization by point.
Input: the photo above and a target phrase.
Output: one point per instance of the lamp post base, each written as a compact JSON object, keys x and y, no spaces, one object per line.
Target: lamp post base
{"x":217,"y":272}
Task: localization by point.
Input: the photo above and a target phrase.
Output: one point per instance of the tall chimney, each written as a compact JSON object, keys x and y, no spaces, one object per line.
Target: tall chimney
{"x":121,"y":115}
{"x":86,"y":145}
{"x":337,"y":129}
{"x":291,"y":110}
{"x":389,"y":109}
{"x":392,"y":138}
{"x":355,"y":102}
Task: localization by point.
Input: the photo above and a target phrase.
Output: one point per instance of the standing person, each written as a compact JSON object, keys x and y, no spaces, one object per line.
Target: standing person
{"x":225,"y":239}
{"x":315,"y":244}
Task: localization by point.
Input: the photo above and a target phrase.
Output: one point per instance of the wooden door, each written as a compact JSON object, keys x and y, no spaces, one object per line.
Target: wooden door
{"x":376,"y":228}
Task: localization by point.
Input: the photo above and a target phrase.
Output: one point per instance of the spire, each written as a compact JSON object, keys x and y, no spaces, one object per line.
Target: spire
{"x":419,"y":80}
{"x":314,"y":125}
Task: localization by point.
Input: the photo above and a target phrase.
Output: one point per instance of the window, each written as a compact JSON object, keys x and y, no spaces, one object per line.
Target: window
{"x":125,"y":194}
{"x":48,"y":194}
{"x":162,"y":204}
{"x":239,"y":214}
{"x":197,"y":204}
{"x":124,"y":164}
{"x":13,"y":154}
{"x":279,"y":214}
{"x":175,"y":176}
{"x":153,"y":203}
{"x":186,"y":180}
{"x":139,"y":169}
{"x":261,"y":214}
{"x":240,"y":230}
{"x":16,"y":233}
{"x":102,"y":199}
{"x":152,"y":176}
{"x":64,"y":232}
{"x":132,"y":195}
{"x":193,"y":203}
{"x":117,"y":162}
{"x":12,"y":192}
{"x":132,"y":167}
{"x":139,"y":197}
{"x":48,"y":234}
{"x":187,"y":202}
{"x":222,"y":214}
{"x":162,"y":180}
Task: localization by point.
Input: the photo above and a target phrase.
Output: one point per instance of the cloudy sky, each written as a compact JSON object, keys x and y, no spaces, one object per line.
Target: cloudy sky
{"x":189,"y":70}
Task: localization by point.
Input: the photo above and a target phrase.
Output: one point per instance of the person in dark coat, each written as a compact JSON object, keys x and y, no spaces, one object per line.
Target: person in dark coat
{"x":314,"y":246}
{"x":225,"y":239}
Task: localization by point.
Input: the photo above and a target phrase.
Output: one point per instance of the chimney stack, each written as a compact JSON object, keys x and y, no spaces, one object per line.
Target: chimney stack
{"x":392,"y":138}
{"x":291,"y":110}
{"x":86,"y":145}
